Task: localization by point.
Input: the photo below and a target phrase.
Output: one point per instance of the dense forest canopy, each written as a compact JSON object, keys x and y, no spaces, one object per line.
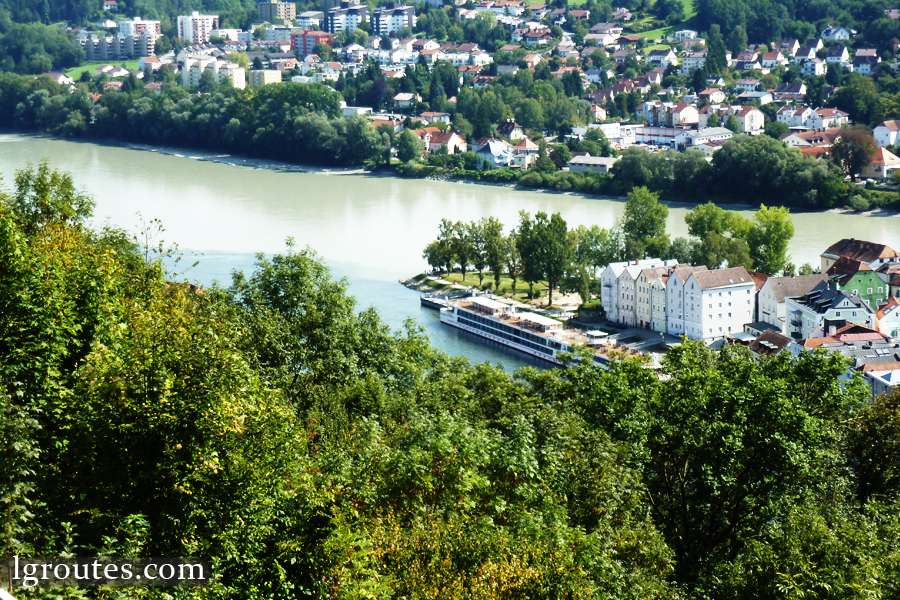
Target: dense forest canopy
{"x":305,"y":450}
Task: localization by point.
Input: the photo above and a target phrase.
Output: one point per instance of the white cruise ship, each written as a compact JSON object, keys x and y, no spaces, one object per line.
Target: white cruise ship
{"x":526,"y":332}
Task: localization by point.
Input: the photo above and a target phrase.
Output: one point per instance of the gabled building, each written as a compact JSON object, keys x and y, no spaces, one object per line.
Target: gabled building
{"x":770,"y":299}
{"x":887,"y":133}
{"x":858,"y":279}
{"x":837,"y":33}
{"x":826,"y":309}
{"x":678,"y":299}
{"x":888,"y":317}
{"x":874,"y":255}
{"x":722,"y":302}
{"x":882,"y":165}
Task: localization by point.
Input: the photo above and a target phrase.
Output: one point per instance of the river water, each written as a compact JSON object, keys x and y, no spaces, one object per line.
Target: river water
{"x":369,"y":229}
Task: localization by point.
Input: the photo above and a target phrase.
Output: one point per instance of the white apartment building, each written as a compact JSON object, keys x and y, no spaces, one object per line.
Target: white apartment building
{"x":257,"y":78}
{"x":770,"y":300}
{"x":193,"y":68}
{"x":196,"y":27}
{"x":137,"y":26}
{"x":347,"y":17}
{"x":721,"y":303}
{"x":677,"y":297}
{"x":609,"y":289}
{"x":390,"y":18}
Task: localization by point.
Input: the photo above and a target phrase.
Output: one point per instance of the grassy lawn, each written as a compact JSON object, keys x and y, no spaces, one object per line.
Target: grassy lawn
{"x":505,"y":285}
{"x":91,"y":67}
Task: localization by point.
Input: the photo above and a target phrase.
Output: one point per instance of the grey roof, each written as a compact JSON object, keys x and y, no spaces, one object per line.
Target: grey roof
{"x":793,"y":287}
{"x":684,"y":271}
{"x":722,"y":277}
{"x":708,"y":132}
{"x":822,"y":297}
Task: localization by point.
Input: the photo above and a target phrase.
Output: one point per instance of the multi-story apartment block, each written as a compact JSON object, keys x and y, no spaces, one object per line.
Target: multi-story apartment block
{"x":825,"y":309}
{"x":273,"y":10}
{"x":305,"y":41}
{"x":193,"y":69}
{"x":721,"y":303}
{"x":619,"y":297}
{"x":138,"y":26}
{"x":258,"y":77}
{"x":677,"y":298}
{"x":119,"y":46}
{"x":388,"y":19}
{"x":650,"y":286}
{"x":346,"y":17}
{"x":196,"y":27}
{"x":770,"y":300}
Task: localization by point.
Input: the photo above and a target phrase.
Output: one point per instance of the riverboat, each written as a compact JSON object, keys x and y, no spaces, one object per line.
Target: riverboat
{"x":531,"y":333}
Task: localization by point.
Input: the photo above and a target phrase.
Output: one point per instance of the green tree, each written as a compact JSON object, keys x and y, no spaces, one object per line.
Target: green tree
{"x":409,"y":146}
{"x":768,"y":239}
{"x":713,"y":120}
{"x":731,"y":124}
{"x":715,"y":60}
{"x":495,"y":248}
{"x":776,"y":129}
{"x":854,"y":149}
{"x":528,"y":244}
{"x":554,"y":249}
{"x":644,"y":223}
{"x":737,"y":40}
{"x":44,"y":195}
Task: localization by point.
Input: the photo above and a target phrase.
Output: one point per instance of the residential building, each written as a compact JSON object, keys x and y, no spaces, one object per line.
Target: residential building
{"x":406,"y":100}
{"x":685,"y":34}
{"x":271,"y":11}
{"x":722,"y":302}
{"x":858,"y":279}
{"x":883,"y":382}
{"x":770,"y":343}
{"x":794,"y":116}
{"x":837,"y":55}
{"x":713,"y":95}
{"x":824,"y":138}
{"x":305,"y":41}
{"x":836,"y":33}
{"x":770,"y":300}
{"x":882,"y":165}
{"x":310,"y":18}
{"x":196,"y":27}
{"x":874,"y":255}
{"x":693,"y":60}
{"x":746,"y":85}
{"x":663,"y":58}
{"x":888,"y":317}
{"x":194,"y":67}
{"x":137,"y":26}
{"x":388,"y":19}
{"x":119,"y":47}
{"x":432,"y":117}
{"x":887,"y":133}
{"x":257,"y":78}
{"x":865,"y":64}
{"x":628,"y":292}
{"x":770,"y":60}
{"x":828,"y":118}
{"x":609,"y":285}
{"x":669,"y":114}
{"x":650,"y":303}
{"x":825,"y":309}
{"x":453,"y":142}
{"x":346,"y":17}
{"x":677,"y":298}
{"x":60,"y":78}
{"x":813,"y":66}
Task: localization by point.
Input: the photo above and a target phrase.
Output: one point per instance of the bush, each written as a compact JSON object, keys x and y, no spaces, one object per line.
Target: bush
{"x":859,"y":203}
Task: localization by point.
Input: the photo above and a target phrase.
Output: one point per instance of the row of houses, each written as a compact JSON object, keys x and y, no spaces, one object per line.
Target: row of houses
{"x":859,"y":284}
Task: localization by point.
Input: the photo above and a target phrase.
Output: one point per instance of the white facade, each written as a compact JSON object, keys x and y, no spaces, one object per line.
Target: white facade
{"x":803,"y":315}
{"x":193,"y":69}
{"x":772,"y":295}
{"x":196,"y":27}
{"x":137,"y":26}
{"x":617,"y":287}
{"x":387,"y":21}
{"x":720,"y":303}
{"x":887,"y":133}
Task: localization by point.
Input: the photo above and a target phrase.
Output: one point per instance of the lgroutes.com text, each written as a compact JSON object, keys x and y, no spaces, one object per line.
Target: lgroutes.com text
{"x":24,"y":572}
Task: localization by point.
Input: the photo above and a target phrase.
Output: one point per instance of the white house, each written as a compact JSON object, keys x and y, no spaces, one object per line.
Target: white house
{"x":887,"y":133}
{"x":685,"y":34}
{"x":888,"y":316}
{"x":836,"y":33}
{"x":771,"y":297}
{"x":628,"y":292}
{"x":609,"y":284}
{"x":827,"y":118}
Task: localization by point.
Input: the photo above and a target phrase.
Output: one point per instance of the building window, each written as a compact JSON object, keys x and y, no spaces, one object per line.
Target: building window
{"x":855,"y":291}
{"x":869,"y":291}
{"x":729,"y":315}
{"x":881,"y":290}
{"x":837,"y":314}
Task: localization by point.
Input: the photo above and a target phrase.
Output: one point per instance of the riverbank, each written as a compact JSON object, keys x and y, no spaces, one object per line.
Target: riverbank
{"x":441,"y":287}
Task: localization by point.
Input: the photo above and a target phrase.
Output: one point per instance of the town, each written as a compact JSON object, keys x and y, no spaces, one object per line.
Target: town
{"x":467,"y":81}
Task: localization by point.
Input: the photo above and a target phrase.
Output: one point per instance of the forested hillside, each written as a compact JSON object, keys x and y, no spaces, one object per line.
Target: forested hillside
{"x":766,"y":21}
{"x":307,"y":451}
{"x":78,"y":11}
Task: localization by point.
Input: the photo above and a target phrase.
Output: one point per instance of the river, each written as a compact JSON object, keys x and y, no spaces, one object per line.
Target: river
{"x":369,"y":229}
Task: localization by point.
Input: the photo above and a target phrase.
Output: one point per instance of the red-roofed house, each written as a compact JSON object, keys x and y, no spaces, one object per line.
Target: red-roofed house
{"x":887,"y":133}
{"x":883,"y":164}
{"x":450,"y":140}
